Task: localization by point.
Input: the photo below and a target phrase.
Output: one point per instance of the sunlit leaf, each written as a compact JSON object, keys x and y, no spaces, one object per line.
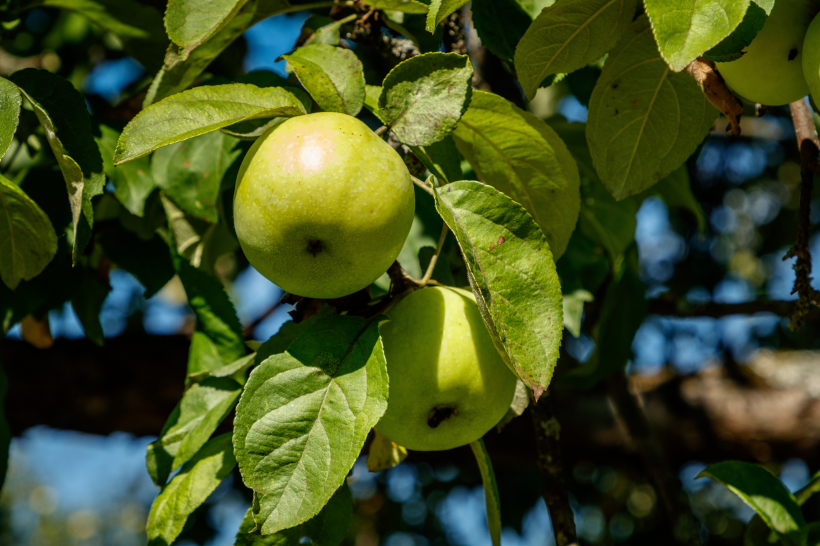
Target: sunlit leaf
{"x":332,"y":75}
{"x":513,"y":276}
{"x":199,"y":111}
{"x":423,"y":97}
{"x":304,"y":415}
{"x":569,"y":35}
{"x":190,"y":22}
{"x":522,"y":156}
{"x":327,"y":528}
{"x":644,"y":120}
{"x":188,"y":490}
{"x":684,"y":29}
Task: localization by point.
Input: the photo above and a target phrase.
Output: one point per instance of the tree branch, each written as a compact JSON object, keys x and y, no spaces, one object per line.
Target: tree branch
{"x":670,"y":306}
{"x":809,"y":146}
{"x":553,"y":485}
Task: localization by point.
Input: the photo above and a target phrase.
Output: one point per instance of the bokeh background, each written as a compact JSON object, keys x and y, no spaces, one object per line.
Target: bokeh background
{"x":71,"y":488}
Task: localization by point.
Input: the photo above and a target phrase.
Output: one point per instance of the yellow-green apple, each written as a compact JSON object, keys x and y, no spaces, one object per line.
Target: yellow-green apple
{"x":322,"y":205}
{"x":770,"y":72}
{"x":448,"y":384}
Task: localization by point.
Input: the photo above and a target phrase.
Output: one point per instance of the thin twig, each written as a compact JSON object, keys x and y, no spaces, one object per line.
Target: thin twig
{"x":423,"y":185}
{"x":429,"y":273}
{"x":553,"y":485}
{"x":684,"y":527}
{"x":809,"y":146}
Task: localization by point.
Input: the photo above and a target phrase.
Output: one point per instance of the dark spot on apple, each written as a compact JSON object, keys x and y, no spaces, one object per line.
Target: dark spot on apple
{"x":315,"y":246}
{"x":793,"y":53}
{"x":439,"y":414}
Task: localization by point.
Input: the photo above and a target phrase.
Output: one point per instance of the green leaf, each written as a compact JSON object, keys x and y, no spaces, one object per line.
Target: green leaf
{"x":148,"y":260}
{"x":62,"y":112}
{"x":644,"y":120}
{"x":491,"y":496}
{"x":731,"y":47}
{"x":136,"y":24}
{"x":624,"y":310}
{"x":234,"y":369}
{"x":500,"y":24}
{"x":405,"y":6}
{"x":327,"y":528}
{"x":423,"y":97}
{"x":512,"y":274}
{"x":87,"y":302}
{"x":762,"y":491}
{"x":440,"y":10}
{"x":178,"y":73}
{"x":190,"y":22}
{"x":304,"y":415}
{"x":371,"y":99}
{"x":188,"y":490}
{"x":132,"y":182}
{"x":441,"y":159}
{"x":10,"y":102}
{"x":199,"y":111}
{"x":201,"y":410}
{"x":574,"y":310}
{"x":27,"y":239}
{"x":191,"y":172}
{"x":522,"y":156}
{"x":684,"y":29}
{"x":332,"y":75}
{"x":288,"y":333}
{"x":218,"y":338}
{"x":567,"y":36}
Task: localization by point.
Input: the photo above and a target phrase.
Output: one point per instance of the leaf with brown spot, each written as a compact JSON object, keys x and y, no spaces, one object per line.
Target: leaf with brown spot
{"x":515,"y":283}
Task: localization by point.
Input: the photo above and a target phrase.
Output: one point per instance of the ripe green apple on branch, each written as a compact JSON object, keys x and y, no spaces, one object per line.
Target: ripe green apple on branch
{"x":322,"y":207}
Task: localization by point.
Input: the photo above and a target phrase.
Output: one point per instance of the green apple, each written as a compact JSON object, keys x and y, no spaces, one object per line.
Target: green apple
{"x":322,"y":205}
{"x":448,"y":384}
{"x":811,"y":59}
{"x":770,"y":72}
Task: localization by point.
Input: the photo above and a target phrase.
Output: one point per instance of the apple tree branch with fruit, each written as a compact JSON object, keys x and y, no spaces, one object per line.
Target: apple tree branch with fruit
{"x":307,"y":177}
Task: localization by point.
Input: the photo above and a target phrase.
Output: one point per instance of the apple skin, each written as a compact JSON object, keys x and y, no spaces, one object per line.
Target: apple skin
{"x":811,"y":59}
{"x":771,"y":70}
{"x":444,"y":370}
{"x":322,"y":205}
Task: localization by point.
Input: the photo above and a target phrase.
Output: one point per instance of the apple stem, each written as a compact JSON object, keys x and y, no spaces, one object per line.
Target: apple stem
{"x":429,"y":273}
{"x":423,"y":185}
